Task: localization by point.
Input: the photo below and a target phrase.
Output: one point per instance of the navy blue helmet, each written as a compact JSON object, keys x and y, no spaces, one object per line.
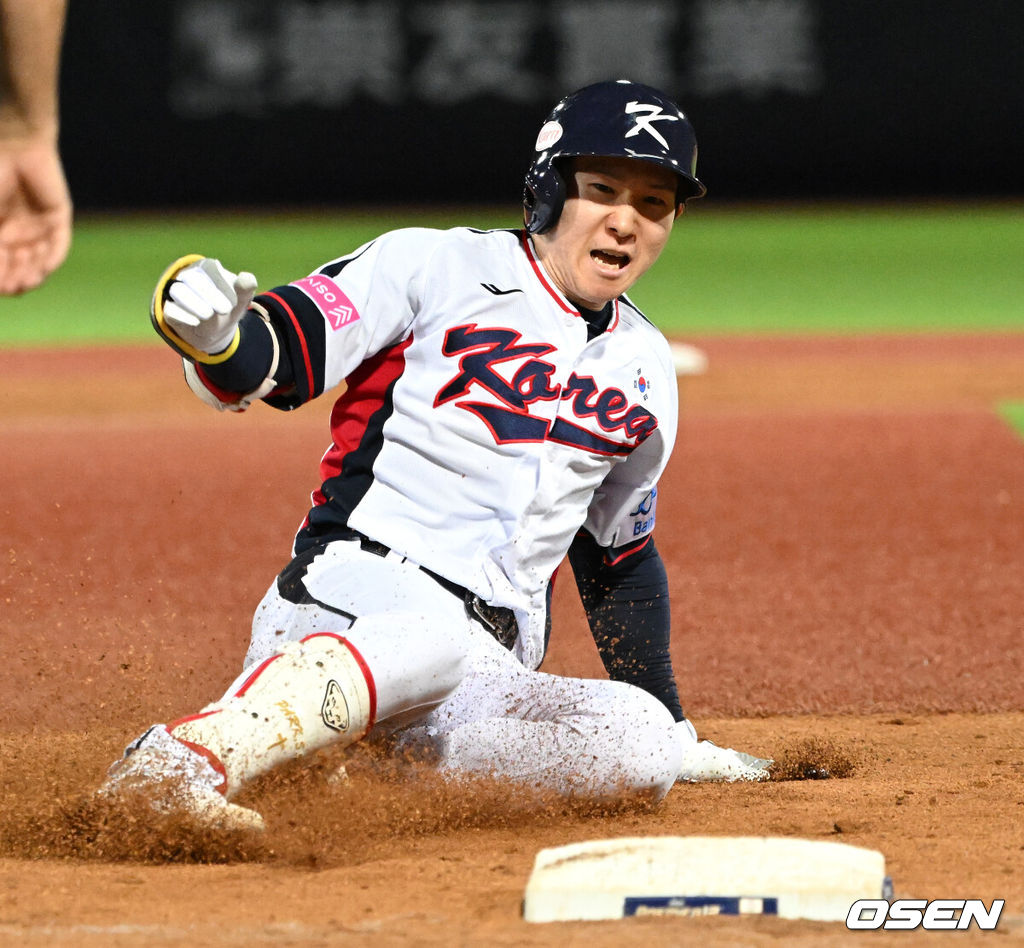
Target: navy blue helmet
{"x":619,"y":119}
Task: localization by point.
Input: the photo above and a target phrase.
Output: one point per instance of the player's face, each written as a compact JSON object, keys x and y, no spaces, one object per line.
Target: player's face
{"x":617,"y":218}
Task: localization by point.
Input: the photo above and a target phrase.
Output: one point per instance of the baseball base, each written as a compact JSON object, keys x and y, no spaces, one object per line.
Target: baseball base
{"x":687,"y":359}
{"x":697,"y":875}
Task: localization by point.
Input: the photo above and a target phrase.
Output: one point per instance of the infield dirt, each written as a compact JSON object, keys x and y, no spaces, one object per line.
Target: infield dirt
{"x":842,"y":521}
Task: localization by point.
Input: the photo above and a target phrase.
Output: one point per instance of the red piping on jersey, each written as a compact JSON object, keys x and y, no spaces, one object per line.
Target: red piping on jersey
{"x":615,"y":318}
{"x":554,"y":293}
{"x":365,"y":392}
{"x":302,"y":341}
{"x":540,"y":276}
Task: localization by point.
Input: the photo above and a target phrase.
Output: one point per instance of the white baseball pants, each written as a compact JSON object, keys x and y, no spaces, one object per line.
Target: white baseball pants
{"x":441,"y":672}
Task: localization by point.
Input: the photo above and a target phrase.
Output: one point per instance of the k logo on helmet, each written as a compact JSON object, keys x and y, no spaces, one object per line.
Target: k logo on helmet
{"x":606,"y":119}
{"x":643,"y":115}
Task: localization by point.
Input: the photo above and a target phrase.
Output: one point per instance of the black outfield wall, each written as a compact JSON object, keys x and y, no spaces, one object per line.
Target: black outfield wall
{"x":246,"y":102}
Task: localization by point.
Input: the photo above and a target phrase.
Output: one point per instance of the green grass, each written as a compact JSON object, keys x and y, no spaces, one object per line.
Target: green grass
{"x":787,"y":269}
{"x":844,"y":270}
{"x":1013,"y":412}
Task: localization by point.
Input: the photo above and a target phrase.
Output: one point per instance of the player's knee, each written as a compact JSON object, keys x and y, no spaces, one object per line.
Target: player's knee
{"x":657,"y":760}
{"x":417,"y":660}
{"x":652,"y":755}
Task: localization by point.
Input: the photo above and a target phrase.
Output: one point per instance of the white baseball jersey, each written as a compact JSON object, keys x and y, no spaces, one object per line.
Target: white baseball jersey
{"x":479,"y":428}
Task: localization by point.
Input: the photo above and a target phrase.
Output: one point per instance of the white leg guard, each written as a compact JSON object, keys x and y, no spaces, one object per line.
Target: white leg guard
{"x":314,"y":692}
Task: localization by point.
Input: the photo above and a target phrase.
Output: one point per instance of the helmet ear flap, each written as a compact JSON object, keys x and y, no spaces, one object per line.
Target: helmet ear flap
{"x":543,"y":197}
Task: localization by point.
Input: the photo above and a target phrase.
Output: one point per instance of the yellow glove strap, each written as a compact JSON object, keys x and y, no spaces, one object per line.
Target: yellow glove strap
{"x":156,"y":315}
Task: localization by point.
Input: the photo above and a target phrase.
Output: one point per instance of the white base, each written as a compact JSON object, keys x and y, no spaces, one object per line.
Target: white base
{"x":688,"y":360}
{"x":700,"y":875}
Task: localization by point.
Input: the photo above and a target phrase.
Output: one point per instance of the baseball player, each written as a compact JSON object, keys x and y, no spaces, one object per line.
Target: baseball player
{"x":505,"y":405}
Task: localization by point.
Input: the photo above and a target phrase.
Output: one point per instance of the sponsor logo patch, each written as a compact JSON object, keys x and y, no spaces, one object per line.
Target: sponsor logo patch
{"x":330,"y":299}
{"x":549,"y":134}
{"x":491,"y":288}
{"x":644,"y":516}
{"x":335,"y":708}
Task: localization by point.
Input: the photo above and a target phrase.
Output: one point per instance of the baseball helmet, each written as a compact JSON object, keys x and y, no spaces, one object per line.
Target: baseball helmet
{"x":619,"y":119}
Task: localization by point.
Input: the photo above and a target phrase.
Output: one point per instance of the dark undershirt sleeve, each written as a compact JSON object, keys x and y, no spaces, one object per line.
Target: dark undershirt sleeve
{"x":248,"y":367}
{"x":625,"y":595}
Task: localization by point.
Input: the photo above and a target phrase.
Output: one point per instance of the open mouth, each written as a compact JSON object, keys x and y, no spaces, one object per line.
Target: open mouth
{"x":610,"y":258}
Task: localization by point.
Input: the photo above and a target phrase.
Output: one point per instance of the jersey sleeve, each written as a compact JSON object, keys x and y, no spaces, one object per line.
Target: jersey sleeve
{"x":346,"y":311}
{"x":623,"y":511}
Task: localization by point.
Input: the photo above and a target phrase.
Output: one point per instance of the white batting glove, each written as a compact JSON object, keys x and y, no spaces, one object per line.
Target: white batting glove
{"x":197,"y":307}
{"x":705,"y":762}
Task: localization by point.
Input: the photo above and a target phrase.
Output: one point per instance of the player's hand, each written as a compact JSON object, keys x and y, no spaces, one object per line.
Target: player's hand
{"x":35,"y":213}
{"x":197,"y":306}
{"x":205,"y":302}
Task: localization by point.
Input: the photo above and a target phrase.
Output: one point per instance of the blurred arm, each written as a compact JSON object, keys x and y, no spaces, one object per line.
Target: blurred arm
{"x":35,"y":205}
{"x":31,"y":32}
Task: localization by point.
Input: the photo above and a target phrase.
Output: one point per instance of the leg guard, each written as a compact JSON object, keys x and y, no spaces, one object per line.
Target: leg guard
{"x":314,"y":692}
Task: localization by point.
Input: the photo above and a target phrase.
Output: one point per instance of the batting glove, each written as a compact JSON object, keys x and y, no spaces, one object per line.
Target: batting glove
{"x":197,"y":306}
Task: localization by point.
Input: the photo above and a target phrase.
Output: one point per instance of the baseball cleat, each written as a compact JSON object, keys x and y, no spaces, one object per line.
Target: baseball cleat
{"x":705,"y":762}
{"x":174,"y":779}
